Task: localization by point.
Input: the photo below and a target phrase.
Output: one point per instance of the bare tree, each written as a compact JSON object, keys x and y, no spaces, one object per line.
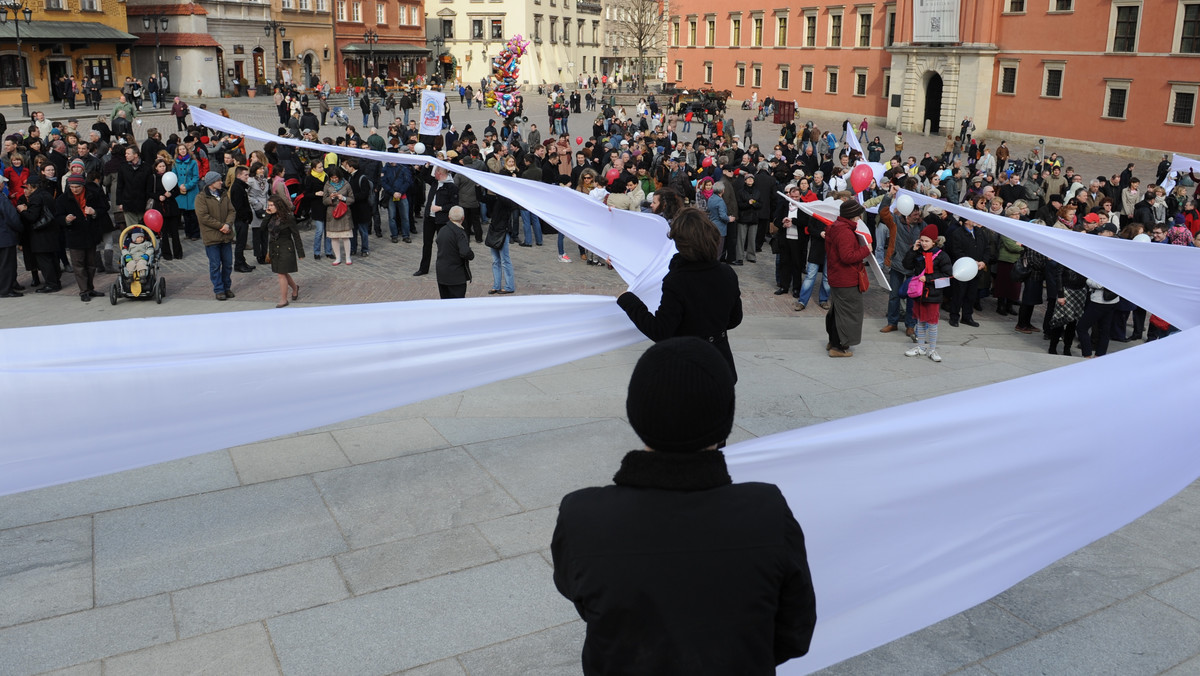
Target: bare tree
{"x":640,"y":24}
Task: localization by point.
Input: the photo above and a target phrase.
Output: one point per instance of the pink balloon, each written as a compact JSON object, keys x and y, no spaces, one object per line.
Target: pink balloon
{"x":578,"y":140}
{"x":153,"y":220}
{"x":861,"y":177}
{"x":612,"y":175}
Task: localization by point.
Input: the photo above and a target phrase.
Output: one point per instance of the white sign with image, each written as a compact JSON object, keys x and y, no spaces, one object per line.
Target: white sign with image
{"x":935,"y":20}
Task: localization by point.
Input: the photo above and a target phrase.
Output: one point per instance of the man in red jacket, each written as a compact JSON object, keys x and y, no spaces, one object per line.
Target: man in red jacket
{"x":845,"y":253}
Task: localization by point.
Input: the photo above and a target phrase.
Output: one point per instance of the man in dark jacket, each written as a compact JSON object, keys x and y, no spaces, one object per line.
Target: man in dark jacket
{"x":443,"y":194}
{"x":966,"y":241}
{"x":239,"y":194}
{"x":10,"y":236}
{"x":676,"y":569}
{"x":397,"y":179}
{"x":360,"y":211}
{"x":454,"y":252}
{"x":135,"y":186}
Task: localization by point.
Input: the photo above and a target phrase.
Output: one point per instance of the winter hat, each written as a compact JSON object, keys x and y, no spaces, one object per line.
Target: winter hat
{"x":681,"y":396}
{"x":75,"y":162}
{"x":852,"y":209}
{"x":75,"y":180}
{"x":210,"y":178}
{"x":930,"y":231}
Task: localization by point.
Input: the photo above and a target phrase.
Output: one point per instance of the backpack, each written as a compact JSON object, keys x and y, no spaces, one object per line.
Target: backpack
{"x":296,"y":191}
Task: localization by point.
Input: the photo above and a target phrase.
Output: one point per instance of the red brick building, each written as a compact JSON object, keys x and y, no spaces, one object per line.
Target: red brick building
{"x":384,"y":38}
{"x":1123,"y":75}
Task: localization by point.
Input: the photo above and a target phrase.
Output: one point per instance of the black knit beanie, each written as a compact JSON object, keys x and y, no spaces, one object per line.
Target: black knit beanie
{"x":681,"y":396}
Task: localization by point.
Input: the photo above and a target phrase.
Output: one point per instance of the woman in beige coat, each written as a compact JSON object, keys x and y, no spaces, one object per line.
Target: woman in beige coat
{"x":338,"y":229}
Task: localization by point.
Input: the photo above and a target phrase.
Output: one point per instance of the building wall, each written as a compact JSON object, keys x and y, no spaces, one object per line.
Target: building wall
{"x":309,"y":29}
{"x":991,"y":37}
{"x":390,"y":32}
{"x":109,"y":12}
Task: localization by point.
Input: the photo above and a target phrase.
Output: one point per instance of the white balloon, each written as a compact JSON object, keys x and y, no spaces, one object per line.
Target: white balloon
{"x":905,"y":204}
{"x":965,"y":268}
{"x":1141,"y":237}
{"x":419,"y":148}
{"x":170,"y":180}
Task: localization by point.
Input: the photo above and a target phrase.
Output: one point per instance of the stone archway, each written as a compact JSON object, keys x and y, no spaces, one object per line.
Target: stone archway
{"x":923,"y":74}
{"x":310,"y":69}
{"x":933,"y":102}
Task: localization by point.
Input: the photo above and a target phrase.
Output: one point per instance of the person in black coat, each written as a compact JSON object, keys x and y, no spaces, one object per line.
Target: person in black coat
{"x":135,"y":186}
{"x":43,"y":241}
{"x":969,"y":242}
{"x":81,"y":225}
{"x":453,"y":256}
{"x":676,"y":569}
{"x":700,"y":297}
{"x":443,"y":194}
{"x":11,"y":228}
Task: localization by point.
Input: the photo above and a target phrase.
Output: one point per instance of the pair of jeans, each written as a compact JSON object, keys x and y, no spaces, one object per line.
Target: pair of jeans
{"x":220,"y":266}
{"x":561,"y":251}
{"x":399,"y":208}
{"x":532,"y":226}
{"x":360,"y":240}
{"x":896,"y":280}
{"x":806,"y":287}
{"x":502,"y":269}
{"x":153,"y":100}
{"x":318,"y":235}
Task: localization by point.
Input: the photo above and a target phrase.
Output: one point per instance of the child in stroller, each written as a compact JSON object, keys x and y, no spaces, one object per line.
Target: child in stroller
{"x":138,"y":254}
{"x":139,"y":273}
{"x":339,"y":116}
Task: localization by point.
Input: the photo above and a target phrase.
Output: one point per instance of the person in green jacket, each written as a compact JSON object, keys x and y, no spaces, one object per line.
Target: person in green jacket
{"x":123,"y":104}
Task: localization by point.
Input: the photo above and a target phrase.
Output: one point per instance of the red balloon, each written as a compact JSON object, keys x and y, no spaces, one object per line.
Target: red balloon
{"x":707,"y":161}
{"x":153,"y":220}
{"x":612,"y":175}
{"x":861,"y":177}
{"x":578,"y":140}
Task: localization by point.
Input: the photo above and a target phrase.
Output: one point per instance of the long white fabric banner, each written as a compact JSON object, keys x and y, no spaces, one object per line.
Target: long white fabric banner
{"x":905,"y":527}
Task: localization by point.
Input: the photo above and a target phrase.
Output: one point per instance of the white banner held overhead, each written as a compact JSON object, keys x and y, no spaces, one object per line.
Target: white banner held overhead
{"x":433,"y":108}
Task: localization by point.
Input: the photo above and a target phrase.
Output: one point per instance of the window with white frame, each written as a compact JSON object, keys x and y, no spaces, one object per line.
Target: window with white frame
{"x":89,"y":5}
{"x":1014,"y":6}
{"x":553,"y":30}
{"x":402,"y":15}
{"x":756,"y":39}
{"x":735,"y":31}
{"x":831,"y":80}
{"x":679,"y":71}
{"x":54,"y":4}
{"x":756,"y":75}
{"x":1116,"y":98}
{"x":1182,"y":105}
{"x":887,"y":82}
{"x":864,"y":29}
{"x":890,"y":29}
{"x":675,"y":33}
{"x":1007,"y":82}
{"x":1123,"y":26}
{"x":806,"y":81}
{"x":810,"y":28}
{"x":288,"y":4}
{"x":1062,"y":5}
{"x":781,"y":28}
{"x":286,"y":46}
{"x":305,"y":5}
{"x":356,"y":12}
{"x":322,"y":5}
{"x":341,"y":10}
{"x":860,"y":81}
{"x":692,"y":32}
{"x":1188,"y":28}
{"x":740,"y":77}
{"x":708,"y":72}
{"x":498,"y":29}
{"x":710,"y":31}
{"x":835,"y":29}
{"x":785,"y":77}
{"x":1052,"y":79}
{"x":381,"y":13}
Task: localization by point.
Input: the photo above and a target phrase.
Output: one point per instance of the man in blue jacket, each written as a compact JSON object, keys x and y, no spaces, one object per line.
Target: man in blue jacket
{"x":397,"y":179}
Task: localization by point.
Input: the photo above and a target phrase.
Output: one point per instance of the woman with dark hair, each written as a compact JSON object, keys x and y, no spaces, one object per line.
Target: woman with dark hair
{"x":166,"y":204}
{"x":667,"y":202}
{"x":284,"y":246}
{"x":35,"y":205}
{"x":700,"y":296}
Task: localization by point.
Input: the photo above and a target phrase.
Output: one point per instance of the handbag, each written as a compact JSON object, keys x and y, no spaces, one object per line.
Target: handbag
{"x":495,"y":238}
{"x":1022,"y":269}
{"x":916,"y":287}
{"x":46,"y":219}
{"x":863,"y":282}
{"x":340,"y":209}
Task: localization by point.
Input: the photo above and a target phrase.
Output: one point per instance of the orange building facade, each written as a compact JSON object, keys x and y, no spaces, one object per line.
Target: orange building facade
{"x":1119,"y":76}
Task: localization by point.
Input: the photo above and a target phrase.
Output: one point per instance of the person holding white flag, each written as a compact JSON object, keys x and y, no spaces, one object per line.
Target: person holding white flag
{"x":433,"y":107}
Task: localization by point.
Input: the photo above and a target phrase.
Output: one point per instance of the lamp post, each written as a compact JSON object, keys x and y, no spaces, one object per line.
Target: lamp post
{"x":156,"y":20}
{"x":437,"y":41}
{"x":276,"y":30}
{"x":370,"y":37}
{"x":18,"y":9}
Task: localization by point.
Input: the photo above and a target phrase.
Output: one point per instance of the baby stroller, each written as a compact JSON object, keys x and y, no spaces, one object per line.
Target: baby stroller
{"x":339,"y":116}
{"x":138,"y":267}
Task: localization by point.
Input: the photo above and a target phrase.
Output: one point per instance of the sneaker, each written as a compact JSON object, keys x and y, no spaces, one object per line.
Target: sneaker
{"x":918,"y":351}
{"x":799,"y":307}
{"x":934,"y":356}
{"x":564,"y":258}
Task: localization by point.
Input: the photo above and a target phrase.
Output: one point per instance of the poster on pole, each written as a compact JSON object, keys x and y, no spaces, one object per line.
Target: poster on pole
{"x":433,"y":106}
{"x":935,"y":21}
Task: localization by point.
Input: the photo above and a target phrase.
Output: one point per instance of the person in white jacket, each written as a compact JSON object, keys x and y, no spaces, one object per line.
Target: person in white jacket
{"x":1093,"y":327}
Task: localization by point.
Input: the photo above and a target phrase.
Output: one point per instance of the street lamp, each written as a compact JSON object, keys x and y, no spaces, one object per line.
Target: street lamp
{"x":437,"y":41}
{"x":276,"y":30}
{"x":18,"y":8}
{"x":156,"y":20}
{"x":371,"y":37}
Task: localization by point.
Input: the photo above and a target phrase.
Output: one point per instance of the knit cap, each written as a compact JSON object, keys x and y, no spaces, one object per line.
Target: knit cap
{"x":930,"y":231}
{"x":681,"y":396}
{"x":75,"y":162}
{"x":210,"y":178}
{"x":852,"y":209}
{"x":75,"y":180}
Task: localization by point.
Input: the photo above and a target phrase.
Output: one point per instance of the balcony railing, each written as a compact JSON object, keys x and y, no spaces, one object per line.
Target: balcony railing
{"x":588,"y":7}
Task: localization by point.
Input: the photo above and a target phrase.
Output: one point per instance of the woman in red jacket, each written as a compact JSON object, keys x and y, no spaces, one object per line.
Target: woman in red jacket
{"x":844,"y":262}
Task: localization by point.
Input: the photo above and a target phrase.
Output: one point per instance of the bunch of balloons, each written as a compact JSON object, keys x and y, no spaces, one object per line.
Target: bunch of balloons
{"x":505,"y":68}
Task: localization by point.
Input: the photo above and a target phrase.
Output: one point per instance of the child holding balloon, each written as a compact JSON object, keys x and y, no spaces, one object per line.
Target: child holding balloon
{"x":933,"y":267}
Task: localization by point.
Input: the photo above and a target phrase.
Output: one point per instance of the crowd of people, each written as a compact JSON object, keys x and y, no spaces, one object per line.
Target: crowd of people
{"x":640,"y":160}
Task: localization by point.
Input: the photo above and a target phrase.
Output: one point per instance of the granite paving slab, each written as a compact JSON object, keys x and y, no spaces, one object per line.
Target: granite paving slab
{"x":45,"y":570}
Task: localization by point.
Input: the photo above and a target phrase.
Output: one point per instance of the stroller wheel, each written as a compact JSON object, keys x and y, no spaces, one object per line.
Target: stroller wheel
{"x":112,"y":293}
{"x":158,"y":291}
{"x":163,"y":281}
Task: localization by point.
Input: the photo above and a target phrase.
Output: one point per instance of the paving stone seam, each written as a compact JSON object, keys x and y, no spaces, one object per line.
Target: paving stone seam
{"x":271,"y":642}
{"x":332,"y":516}
{"x":1149,"y":592}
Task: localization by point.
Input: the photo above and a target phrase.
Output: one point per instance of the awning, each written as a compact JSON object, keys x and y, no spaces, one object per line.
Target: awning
{"x":363,"y":48}
{"x":64,"y":31}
